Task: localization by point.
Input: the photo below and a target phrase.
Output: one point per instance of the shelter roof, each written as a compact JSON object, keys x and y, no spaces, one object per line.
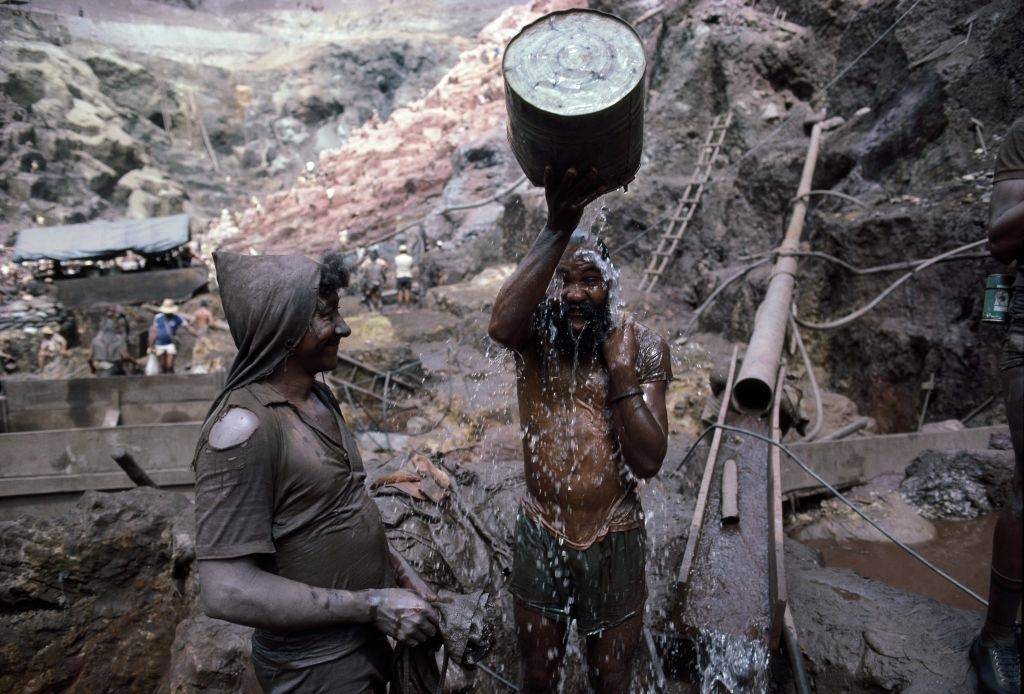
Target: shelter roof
{"x":102,"y":239}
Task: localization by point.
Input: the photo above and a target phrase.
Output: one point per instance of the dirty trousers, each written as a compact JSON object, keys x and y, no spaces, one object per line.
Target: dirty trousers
{"x":364,"y":671}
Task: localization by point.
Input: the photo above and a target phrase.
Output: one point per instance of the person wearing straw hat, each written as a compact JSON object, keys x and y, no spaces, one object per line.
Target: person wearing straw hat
{"x":162,"y":333}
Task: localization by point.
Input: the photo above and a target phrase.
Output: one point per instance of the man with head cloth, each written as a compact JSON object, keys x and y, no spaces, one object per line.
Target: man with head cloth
{"x":287,"y":538}
{"x":591,"y":384}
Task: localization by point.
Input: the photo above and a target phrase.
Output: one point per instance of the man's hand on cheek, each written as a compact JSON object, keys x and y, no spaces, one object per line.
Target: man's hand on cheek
{"x":619,"y":348}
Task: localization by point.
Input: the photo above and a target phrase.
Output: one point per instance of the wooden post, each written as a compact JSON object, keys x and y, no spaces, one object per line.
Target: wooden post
{"x":135,"y":473}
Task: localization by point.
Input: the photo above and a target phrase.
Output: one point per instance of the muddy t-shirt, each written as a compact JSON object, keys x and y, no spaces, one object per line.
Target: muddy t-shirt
{"x":295,"y":497}
{"x":1010,"y":166}
{"x":578,"y":486}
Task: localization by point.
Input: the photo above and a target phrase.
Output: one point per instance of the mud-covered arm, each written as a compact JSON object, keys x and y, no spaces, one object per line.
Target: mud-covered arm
{"x":637,"y":397}
{"x":237,"y":590}
{"x":1006,"y":220}
{"x":518,"y":298}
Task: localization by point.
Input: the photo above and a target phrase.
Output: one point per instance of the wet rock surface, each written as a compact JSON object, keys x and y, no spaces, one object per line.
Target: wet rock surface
{"x":862,"y":636}
{"x":958,"y":484}
{"x":90,"y":601}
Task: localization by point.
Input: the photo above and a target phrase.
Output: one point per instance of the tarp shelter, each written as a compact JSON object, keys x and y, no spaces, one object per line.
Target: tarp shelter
{"x":107,"y":239}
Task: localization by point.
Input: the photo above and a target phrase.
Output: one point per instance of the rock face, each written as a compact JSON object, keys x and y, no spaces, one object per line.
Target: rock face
{"x":861,"y":636}
{"x":958,"y":484}
{"x":90,"y":602}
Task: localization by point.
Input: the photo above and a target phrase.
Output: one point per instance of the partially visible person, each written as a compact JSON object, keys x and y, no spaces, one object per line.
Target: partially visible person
{"x":108,"y":352}
{"x":52,"y":349}
{"x":162,"y":335}
{"x":403,"y":276}
{"x":374,"y":273}
{"x":202,"y":318}
{"x":995,"y":653}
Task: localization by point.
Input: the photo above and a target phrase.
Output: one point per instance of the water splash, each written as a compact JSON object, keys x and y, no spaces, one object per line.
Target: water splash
{"x":731,"y":664}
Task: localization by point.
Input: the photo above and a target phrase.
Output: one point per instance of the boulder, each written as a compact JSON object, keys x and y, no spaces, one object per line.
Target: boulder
{"x":958,"y":484}
{"x":90,"y":601}
{"x":859,"y":635}
{"x":211,"y":655}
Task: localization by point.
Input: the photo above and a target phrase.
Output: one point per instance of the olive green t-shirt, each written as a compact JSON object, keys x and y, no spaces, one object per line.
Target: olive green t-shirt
{"x":293,"y":496}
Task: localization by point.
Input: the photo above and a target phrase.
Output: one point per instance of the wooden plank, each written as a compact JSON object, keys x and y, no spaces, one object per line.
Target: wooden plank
{"x":79,"y":451}
{"x":131,"y":287}
{"x":111,"y":417}
{"x":856,"y":460}
{"x":40,"y":485}
{"x":57,"y":394}
{"x":777,"y":593}
{"x":683,"y":576}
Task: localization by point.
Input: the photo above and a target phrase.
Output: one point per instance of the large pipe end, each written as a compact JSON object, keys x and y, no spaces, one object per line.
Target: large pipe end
{"x":752,"y":395}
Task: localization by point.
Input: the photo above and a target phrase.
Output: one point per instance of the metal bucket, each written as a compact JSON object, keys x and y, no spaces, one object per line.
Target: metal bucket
{"x":998,"y":290}
{"x":574,"y":93}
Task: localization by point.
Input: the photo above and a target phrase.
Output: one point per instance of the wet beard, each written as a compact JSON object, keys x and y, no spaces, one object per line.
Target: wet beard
{"x":585,"y":345}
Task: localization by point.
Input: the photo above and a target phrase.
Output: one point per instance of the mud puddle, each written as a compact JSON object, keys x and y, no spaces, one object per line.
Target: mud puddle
{"x":962,"y":548}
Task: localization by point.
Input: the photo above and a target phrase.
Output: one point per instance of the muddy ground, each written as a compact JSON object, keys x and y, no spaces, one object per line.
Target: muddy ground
{"x":399,"y":108}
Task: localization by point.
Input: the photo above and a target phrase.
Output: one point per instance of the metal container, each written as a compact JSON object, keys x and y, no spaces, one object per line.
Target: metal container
{"x":574,"y":93}
{"x":998,"y":290}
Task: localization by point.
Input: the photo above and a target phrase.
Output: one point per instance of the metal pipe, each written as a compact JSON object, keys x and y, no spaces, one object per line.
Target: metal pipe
{"x":754,"y":389}
{"x":796,"y":656}
{"x":844,"y":431}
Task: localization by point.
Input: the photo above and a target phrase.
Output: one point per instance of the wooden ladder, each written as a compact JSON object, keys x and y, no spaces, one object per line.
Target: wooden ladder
{"x":371,"y":382}
{"x":687,"y":205}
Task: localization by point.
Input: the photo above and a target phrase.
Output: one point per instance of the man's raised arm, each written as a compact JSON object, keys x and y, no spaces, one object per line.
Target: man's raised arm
{"x":524,"y":289}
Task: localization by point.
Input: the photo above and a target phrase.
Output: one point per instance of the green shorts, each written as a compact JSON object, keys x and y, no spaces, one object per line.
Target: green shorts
{"x":600,"y":587}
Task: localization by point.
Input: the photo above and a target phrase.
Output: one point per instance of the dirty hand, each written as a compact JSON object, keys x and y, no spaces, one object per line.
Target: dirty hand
{"x":404,"y":616}
{"x":619,"y":348}
{"x":569,"y":197}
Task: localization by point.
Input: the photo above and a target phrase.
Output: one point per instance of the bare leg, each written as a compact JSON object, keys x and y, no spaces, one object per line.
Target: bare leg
{"x":1005,"y":586}
{"x":610,"y":656}
{"x":542,"y":647}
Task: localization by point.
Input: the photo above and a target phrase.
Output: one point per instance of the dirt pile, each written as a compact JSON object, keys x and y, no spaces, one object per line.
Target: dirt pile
{"x":90,"y":601}
{"x":387,"y":172}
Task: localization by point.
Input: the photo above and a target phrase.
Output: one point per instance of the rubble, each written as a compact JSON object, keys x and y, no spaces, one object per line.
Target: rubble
{"x":958,"y":484}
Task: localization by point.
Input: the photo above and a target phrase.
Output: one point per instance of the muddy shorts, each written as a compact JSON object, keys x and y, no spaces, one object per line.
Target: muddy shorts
{"x":600,"y":587}
{"x":404,"y":283}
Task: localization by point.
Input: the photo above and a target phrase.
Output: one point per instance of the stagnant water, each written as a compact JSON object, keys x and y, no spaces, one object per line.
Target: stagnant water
{"x":961,"y":548}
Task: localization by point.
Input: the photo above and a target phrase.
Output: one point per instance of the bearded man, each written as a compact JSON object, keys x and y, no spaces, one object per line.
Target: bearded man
{"x":591,"y":384}
{"x":287,"y":537}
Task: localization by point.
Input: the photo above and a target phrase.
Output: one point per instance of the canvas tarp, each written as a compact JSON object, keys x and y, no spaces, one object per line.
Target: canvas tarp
{"x":104,"y":239}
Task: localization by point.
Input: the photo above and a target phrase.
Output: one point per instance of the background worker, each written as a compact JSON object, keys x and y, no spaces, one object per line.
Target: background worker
{"x":374,"y":273}
{"x":108,"y":351}
{"x":995,"y":653}
{"x":52,"y":349}
{"x":162,"y":335}
{"x":403,"y":276}
{"x":202,"y":318}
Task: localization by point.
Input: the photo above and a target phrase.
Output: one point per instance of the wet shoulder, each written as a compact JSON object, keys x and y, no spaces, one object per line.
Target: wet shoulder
{"x":653,"y":357}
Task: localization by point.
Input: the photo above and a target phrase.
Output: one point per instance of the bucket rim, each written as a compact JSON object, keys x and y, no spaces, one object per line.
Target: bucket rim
{"x":571,"y":10}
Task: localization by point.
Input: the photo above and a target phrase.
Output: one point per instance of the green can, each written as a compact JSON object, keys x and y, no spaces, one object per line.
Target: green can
{"x":998,"y":290}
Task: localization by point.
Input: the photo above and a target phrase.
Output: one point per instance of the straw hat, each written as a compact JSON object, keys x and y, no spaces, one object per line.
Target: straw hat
{"x":168,"y":306}
{"x":403,"y":248}
{"x":47,"y":330}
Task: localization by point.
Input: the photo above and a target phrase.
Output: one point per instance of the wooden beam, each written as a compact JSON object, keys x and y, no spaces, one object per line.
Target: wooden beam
{"x":683,"y":576}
